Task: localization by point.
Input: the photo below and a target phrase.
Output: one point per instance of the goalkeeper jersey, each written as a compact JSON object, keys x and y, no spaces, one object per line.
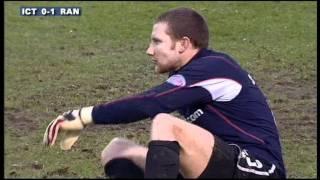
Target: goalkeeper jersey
{"x":213,"y":92}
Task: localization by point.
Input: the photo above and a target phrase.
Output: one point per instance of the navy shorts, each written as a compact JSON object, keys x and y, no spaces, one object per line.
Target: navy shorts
{"x":230,"y":161}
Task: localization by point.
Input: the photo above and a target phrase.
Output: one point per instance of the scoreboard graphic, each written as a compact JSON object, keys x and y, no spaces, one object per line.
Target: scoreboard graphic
{"x":50,"y":11}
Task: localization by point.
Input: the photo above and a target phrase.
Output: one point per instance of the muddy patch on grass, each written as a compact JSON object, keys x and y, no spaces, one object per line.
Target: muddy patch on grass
{"x":60,"y":172}
{"x":142,"y":126}
{"x":20,"y":122}
{"x":136,"y":131}
{"x":293,"y":102}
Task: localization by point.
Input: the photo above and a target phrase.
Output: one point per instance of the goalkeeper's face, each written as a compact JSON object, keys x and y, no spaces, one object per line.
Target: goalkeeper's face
{"x":163,"y":50}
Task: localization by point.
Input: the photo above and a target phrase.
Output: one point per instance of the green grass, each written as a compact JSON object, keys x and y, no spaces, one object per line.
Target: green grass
{"x":53,"y":64}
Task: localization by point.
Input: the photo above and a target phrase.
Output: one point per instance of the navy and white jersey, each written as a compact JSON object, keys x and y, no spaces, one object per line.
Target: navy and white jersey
{"x":213,"y":92}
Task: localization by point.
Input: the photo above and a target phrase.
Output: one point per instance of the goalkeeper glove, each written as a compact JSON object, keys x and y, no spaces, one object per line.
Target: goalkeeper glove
{"x":71,"y":123}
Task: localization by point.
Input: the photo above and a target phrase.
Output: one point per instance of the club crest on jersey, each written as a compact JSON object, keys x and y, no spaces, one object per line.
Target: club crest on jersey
{"x":177,"y":80}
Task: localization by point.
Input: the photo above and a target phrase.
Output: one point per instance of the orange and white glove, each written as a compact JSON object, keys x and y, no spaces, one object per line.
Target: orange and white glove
{"x":70,"y":125}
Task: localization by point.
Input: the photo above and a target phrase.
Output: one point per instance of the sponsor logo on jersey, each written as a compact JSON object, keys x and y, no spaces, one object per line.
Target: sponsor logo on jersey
{"x":195,"y":115}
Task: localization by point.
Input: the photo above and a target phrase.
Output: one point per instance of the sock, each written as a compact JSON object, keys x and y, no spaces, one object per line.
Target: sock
{"x":123,"y":168}
{"x":162,"y":159}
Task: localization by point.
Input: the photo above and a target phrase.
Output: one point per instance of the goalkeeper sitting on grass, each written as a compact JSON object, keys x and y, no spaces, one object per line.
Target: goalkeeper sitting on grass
{"x":228,"y":131}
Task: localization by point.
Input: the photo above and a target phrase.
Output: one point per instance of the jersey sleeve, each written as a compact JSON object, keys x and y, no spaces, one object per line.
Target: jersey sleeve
{"x":198,"y":83}
{"x":165,"y":98}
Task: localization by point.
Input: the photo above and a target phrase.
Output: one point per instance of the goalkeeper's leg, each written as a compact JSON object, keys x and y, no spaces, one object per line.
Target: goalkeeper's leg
{"x":123,"y":158}
{"x":177,"y":146}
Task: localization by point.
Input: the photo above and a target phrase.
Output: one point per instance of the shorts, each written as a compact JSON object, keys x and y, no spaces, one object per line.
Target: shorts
{"x":230,"y":161}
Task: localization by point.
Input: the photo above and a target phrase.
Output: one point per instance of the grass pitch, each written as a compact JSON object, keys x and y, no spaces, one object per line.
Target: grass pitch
{"x":53,"y":64}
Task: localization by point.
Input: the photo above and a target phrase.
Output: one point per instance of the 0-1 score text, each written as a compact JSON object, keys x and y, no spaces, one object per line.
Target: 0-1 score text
{"x":50,"y":11}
